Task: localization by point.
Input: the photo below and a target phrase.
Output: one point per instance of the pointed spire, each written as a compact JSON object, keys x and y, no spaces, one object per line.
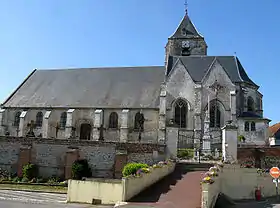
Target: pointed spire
{"x":186,"y":28}
{"x":186,"y":7}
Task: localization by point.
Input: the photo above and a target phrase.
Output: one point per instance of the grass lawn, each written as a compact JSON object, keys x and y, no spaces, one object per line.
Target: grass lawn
{"x":21,"y":187}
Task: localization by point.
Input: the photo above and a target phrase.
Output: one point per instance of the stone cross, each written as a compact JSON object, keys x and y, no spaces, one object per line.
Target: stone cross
{"x":216,"y":87}
{"x":73,"y":129}
{"x":17,"y":130}
{"x":30,"y":132}
{"x":140,"y":125}
{"x":217,"y":154}
{"x":57,"y":127}
{"x":101,"y":132}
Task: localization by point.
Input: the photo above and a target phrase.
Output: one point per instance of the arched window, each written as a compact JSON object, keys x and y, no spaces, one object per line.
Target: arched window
{"x":17,"y":119}
{"x":181,"y":110}
{"x":139,"y":121}
{"x":63,"y":119}
{"x":113,"y":120}
{"x":250,"y":104}
{"x":253,"y":126}
{"x":39,"y":119}
{"x":247,"y":126}
{"x":215,"y":115}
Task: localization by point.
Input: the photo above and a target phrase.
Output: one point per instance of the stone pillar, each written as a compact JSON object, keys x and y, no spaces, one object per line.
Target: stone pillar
{"x":162,"y":117}
{"x":2,"y":122}
{"x":197,"y":114}
{"x":233,"y":105}
{"x":229,"y":142}
{"x":22,"y":124}
{"x":124,"y":125}
{"x":69,"y":124}
{"x":46,"y":128}
{"x":206,"y":140}
{"x":98,"y":121}
{"x":171,"y":142}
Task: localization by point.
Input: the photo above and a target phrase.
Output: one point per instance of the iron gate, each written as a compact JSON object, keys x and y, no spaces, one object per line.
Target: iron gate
{"x":185,"y":139}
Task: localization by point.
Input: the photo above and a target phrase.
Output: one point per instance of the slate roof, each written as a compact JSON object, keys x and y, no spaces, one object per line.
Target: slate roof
{"x":131,"y":87}
{"x":125,"y":87}
{"x":250,"y":115}
{"x":186,"y":24}
{"x":197,"y":66}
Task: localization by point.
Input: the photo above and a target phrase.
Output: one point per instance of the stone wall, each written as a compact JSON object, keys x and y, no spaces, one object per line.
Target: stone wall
{"x":51,"y":155}
{"x":82,"y":116}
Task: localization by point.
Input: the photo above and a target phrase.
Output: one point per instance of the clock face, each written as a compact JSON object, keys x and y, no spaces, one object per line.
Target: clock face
{"x":185,"y":44}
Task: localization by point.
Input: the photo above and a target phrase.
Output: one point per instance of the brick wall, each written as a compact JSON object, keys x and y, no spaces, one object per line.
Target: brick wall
{"x":54,"y":157}
{"x":265,"y":157}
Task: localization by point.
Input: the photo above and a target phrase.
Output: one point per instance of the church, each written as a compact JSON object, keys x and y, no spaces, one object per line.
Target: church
{"x":193,"y":94}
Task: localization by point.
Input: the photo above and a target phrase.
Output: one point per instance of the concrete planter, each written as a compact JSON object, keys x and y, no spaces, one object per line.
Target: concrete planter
{"x":111,"y":191}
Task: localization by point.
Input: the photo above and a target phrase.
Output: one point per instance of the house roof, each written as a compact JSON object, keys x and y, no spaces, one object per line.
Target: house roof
{"x":127,"y":87}
{"x":274,"y":129}
{"x":197,"y":66}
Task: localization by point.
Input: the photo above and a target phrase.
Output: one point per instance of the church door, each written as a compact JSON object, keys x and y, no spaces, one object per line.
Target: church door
{"x":85,"y":131}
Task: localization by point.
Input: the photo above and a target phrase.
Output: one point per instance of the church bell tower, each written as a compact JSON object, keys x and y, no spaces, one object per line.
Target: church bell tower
{"x":186,"y":40}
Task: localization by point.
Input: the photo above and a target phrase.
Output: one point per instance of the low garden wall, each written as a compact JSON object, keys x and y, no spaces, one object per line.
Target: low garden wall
{"x":107,"y":191}
{"x":134,"y":185}
{"x":236,"y":182}
{"x":240,"y":183}
{"x":112,"y":191}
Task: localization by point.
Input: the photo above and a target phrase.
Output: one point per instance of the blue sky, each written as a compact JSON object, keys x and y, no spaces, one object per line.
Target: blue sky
{"x":90,"y":33}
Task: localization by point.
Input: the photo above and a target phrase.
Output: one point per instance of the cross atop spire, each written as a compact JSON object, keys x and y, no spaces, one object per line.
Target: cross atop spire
{"x":186,"y":6}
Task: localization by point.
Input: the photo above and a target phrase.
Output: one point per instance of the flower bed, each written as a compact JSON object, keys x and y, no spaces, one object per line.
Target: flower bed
{"x":138,"y":169}
{"x":145,"y":177}
{"x":35,"y":181}
{"x":7,"y":178}
{"x":212,"y":173}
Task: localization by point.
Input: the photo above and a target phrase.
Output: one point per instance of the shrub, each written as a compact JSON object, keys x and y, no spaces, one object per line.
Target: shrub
{"x":80,"y":169}
{"x":52,"y":180}
{"x":131,"y":168}
{"x":4,"y":173}
{"x":185,"y":153}
{"x":30,"y":171}
{"x":40,"y":180}
{"x":16,"y":179}
{"x":24,"y":180}
{"x":241,"y":138}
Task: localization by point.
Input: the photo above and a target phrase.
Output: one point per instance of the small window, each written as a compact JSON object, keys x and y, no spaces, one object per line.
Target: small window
{"x":139,"y":121}
{"x":39,"y":119}
{"x":63,"y":119}
{"x":247,"y":126}
{"x":17,"y":119}
{"x":250,"y":104}
{"x":253,"y":126}
{"x":113,"y":120}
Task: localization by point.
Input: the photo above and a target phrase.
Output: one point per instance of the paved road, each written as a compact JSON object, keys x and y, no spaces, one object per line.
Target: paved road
{"x":22,"y":199}
{"x":16,"y":204}
{"x":31,"y":197}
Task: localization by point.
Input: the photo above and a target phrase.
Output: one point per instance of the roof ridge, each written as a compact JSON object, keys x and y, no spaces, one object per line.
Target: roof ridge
{"x":97,"y":68}
{"x":199,"y":56}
